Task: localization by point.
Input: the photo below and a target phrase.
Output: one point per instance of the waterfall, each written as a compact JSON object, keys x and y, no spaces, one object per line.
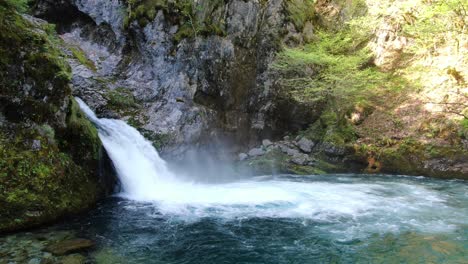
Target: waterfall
{"x":137,"y":163}
{"x":146,"y":178}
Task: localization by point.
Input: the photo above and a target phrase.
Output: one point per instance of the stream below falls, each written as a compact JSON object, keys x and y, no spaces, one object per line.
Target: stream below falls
{"x":277,"y":219}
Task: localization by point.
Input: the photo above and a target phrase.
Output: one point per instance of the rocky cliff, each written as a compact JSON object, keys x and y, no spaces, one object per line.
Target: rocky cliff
{"x":191,"y":74}
{"x":49,"y":152}
{"x":186,"y":73}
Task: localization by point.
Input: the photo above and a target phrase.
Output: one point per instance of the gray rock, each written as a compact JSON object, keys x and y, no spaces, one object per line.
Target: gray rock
{"x":300,"y":159}
{"x":34,"y":261}
{"x":333,"y":150}
{"x":212,"y":74}
{"x":290,"y":151}
{"x":305,"y":144}
{"x":36,"y":145}
{"x":243,"y":156}
{"x":256,"y":152}
{"x":266,"y":143}
{"x":465,"y":143}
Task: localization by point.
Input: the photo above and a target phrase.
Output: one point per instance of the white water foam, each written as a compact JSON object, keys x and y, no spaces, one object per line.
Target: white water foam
{"x":385,"y":206}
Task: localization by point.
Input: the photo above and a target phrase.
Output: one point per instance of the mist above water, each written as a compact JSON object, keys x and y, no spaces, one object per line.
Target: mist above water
{"x":354,"y":206}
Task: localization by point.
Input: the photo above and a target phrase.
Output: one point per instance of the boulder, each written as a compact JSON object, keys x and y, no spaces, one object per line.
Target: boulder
{"x":243,"y":156}
{"x":333,"y":150}
{"x":290,"y":151}
{"x":305,"y":145}
{"x":300,"y":159}
{"x":256,"y":152}
{"x":266,"y":143}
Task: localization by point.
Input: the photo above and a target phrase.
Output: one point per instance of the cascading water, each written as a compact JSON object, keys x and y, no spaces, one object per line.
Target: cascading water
{"x":140,"y":169}
{"x":396,"y":205}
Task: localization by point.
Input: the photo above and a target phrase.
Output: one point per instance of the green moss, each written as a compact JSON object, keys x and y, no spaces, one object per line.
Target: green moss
{"x":276,"y":162}
{"x":159,"y":140}
{"x":36,"y":186}
{"x":271,"y":163}
{"x":304,"y":170}
{"x":79,"y":54}
{"x":57,"y":176}
{"x":83,"y":137}
{"x":30,"y":57}
{"x":121,"y":99}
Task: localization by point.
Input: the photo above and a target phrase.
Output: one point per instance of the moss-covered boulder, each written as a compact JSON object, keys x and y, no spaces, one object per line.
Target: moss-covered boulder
{"x":49,"y":151}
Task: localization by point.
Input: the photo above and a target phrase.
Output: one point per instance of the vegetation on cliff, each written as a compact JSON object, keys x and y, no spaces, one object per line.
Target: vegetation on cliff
{"x":193,"y":18}
{"x":393,"y":78}
{"x":49,"y":151}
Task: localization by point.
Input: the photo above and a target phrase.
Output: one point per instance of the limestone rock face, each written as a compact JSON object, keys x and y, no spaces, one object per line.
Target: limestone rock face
{"x":211,"y":83}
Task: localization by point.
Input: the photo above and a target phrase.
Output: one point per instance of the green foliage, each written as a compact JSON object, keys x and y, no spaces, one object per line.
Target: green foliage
{"x":337,"y":70}
{"x":464,"y":128}
{"x":300,"y":11}
{"x":433,"y":23}
{"x":19,"y":5}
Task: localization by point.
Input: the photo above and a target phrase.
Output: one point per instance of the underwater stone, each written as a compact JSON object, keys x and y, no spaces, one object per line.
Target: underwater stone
{"x":68,"y":246}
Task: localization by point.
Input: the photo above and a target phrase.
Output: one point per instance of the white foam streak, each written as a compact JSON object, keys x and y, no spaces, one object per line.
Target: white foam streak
{"x":138,"y":165}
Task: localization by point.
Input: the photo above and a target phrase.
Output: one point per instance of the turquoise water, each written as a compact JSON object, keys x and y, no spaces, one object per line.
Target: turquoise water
{"x":314,"y":219}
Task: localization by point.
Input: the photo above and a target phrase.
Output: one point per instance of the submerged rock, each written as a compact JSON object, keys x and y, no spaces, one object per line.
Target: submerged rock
{"x":70,"y":246}
{"x":73,"y":259}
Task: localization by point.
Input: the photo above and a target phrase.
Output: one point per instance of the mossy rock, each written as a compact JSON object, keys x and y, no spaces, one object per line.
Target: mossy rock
{"x":276,"y":162}
{"x":49,"y":151}
{"x":194,"y":18}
